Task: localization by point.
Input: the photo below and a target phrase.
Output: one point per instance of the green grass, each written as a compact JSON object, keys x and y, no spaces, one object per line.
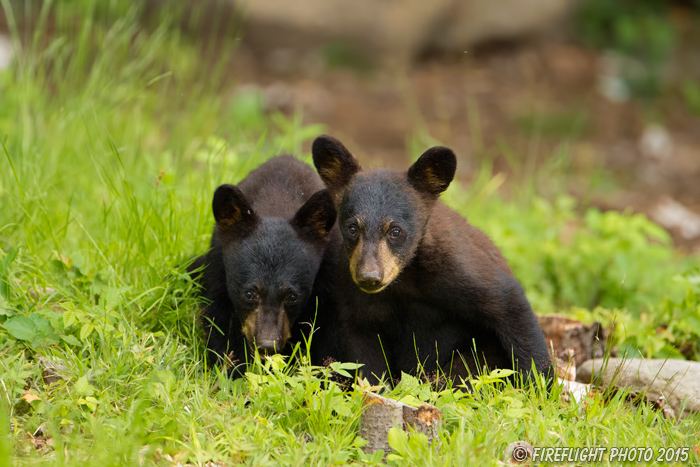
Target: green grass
{"x":113,"y":140}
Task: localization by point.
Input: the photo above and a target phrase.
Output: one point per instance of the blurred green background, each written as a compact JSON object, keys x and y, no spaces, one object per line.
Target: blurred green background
{"x":575,"y":127}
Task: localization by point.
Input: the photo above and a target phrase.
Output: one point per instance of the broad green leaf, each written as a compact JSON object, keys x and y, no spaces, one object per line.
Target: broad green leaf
{"x":21,"y":328}
{"x":72,"y":340}
{"x":411,"y":400}
{"x":501,"y":373}
{"x":83,"y":387}
{"x":42,"y":324}
{"x":398,"y":439}
{"x":86,"y":330}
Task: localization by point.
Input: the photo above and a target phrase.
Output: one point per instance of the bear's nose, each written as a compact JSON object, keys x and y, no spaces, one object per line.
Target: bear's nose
{"x":370,"y":279}
{"x":268,"y":347}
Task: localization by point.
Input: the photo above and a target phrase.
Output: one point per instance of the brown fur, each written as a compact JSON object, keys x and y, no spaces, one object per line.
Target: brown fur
{"x":250,"y":325}
{"x":318,"y":224}
{"x":286,"y":330}
{"x":444,"y":289}
{"x":355,"y":259}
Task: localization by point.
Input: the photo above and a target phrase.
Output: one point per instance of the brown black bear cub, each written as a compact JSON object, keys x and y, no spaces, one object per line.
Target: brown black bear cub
{"x":417,"y":283}
{"x":268,"y":246}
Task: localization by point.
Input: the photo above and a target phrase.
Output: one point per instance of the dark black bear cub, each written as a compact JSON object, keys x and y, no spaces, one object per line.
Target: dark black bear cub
{"x":417,"y":283}
{"x":267,"y":247}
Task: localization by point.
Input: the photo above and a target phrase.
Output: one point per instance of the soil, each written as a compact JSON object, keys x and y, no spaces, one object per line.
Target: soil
{"x":534,"y":108}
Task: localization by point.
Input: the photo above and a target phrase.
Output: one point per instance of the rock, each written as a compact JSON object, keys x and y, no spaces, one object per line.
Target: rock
{"x":573,"y":390}
{"x":470,"y":22}
{"x":52,"y":370}
{"x":673,"y":215}
{"x":380,"y":414}
{"x":677,"y":381}
{"x":566,"y":334}
{"x":388,"y":32}
{"x":611,"y":81}
{"x":656,"y":143}
{"x":38,"y":292}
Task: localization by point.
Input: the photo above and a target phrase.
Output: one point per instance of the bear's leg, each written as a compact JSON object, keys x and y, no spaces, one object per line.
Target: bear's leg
{"x":369,"y":349}
{"x":521,"y":336}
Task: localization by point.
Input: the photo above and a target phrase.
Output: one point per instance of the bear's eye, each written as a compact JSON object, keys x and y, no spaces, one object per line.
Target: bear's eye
{"x":250,"y":295}
{"x":352,"y":230}
{"x":395,"y":232}
{"x":292,"y":297}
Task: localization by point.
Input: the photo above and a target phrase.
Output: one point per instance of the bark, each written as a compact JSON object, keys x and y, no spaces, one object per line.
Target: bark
{"x":565,"y":335}
{"x":380,"y":414}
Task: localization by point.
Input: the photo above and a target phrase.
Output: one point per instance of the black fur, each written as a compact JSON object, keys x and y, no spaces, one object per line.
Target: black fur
{"x":446,"y":290}
{"x":267,"y":247}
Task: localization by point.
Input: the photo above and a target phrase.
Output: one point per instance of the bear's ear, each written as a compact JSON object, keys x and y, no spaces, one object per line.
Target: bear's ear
{"x":334,"y":163}
{"x":433,"y":171}
{"x":233,"y":214}
{"x":314,"y":220}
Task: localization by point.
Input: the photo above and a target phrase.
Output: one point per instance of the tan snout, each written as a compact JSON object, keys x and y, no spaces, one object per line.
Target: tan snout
{"x":372,"y":266}
{"x":268,"y":329}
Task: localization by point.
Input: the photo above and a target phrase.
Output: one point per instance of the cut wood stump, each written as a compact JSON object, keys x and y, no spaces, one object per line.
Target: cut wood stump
{"x":568,"y":336}
{"x":380,"y":414}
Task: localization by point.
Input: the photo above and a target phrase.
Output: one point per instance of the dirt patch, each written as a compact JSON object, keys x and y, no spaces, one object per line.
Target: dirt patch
{"x":523,"y":106}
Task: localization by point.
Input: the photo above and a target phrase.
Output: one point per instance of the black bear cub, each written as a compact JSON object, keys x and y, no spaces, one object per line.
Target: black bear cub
{"x":417,"y":284}
{"x":267,"y":247}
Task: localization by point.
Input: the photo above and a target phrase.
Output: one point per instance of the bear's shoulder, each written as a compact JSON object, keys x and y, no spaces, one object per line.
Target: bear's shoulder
{"x":450,"y":240}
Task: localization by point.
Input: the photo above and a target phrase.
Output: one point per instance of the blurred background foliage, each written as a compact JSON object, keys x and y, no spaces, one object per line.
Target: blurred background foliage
{"x":638,"y":30}
{"x":118,"y":119}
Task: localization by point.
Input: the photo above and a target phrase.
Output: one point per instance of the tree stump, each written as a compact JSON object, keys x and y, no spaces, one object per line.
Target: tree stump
{"x":380,"y":414}
{"x":563,"y":334}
